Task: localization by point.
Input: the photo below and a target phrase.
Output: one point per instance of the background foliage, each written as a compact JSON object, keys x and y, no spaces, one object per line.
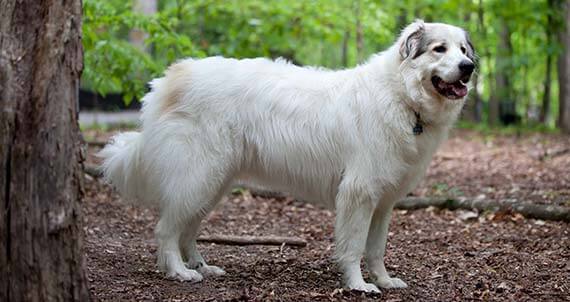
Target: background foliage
{"x":516,"y":41}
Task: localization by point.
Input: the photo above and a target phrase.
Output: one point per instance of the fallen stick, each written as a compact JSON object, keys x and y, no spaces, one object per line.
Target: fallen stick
{"x":558,"y":152}
{"x":253,"y":240}
{"x":551,"y":154}
{"x":527,"y":209}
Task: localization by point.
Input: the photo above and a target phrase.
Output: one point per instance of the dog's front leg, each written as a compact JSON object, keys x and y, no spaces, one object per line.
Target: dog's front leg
{"x":354,"y":208}
{"x":376,"y":248}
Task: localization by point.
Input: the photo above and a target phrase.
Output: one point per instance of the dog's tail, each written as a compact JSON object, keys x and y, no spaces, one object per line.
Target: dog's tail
{"x":122,"y":165}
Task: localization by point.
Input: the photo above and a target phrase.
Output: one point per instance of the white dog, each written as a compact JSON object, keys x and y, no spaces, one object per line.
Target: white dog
{"x":354,"y":140}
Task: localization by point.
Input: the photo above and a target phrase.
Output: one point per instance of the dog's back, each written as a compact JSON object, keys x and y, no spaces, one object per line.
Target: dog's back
{"x":286,"y":126}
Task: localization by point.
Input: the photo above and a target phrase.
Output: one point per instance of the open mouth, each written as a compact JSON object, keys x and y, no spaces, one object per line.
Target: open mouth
{"x":454,"y":91}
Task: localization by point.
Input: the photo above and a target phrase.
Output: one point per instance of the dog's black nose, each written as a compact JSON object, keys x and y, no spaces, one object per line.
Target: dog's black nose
{"x":466,"y":67}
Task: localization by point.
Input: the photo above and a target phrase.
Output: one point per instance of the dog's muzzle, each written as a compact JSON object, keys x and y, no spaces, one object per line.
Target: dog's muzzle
{"x":458,"y":89}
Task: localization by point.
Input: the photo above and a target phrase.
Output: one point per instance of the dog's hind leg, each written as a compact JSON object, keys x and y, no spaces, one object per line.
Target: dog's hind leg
{"x":193,"y":176}
{"x":190,"y":252}
{"x":354,"y":208}
{"x":168,"y":234}
{"x":376,"y":248}
{"x":177,"y":229}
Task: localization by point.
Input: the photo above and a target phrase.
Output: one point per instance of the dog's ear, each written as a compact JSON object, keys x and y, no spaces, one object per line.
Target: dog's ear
{"x":411,"y":40}
{"x":470,"y":52}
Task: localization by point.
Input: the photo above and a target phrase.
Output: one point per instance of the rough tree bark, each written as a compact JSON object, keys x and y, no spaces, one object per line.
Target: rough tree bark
{"x":40,"y":157}
{"x":564,"y":72}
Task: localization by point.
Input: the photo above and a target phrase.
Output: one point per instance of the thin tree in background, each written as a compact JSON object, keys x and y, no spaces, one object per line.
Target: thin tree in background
{"x":493,"y":116}
{"x":472,"y":108}
{"x":564,"y":71}
{"x":40,"y":159}
{"x":501,"y":95}
{"x":359,"y":31}
{"x":344,"y":51}
{"x":545,"y":108}
{"x":138,"y":36}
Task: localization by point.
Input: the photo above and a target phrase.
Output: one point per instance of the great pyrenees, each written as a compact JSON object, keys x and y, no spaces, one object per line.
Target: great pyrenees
{"x":354,"y":140}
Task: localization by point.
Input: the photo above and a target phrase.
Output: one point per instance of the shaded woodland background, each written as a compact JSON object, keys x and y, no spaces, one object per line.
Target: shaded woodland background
{"x":520,"y":44}
{"x":66,"y":235}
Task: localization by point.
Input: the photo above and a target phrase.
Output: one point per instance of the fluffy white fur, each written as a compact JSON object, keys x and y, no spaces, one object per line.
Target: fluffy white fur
{"x":343,"y":139}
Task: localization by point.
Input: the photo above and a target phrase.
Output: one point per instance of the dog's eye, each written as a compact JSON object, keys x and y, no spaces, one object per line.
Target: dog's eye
{"x":440,"y":49}
{"x":463,"y":50}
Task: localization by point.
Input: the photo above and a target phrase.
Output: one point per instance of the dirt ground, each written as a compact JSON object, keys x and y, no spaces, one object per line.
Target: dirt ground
{"x":442,"y":255}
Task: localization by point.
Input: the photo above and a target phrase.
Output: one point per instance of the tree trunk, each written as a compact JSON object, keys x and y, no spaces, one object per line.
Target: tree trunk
{"x":545,"y":108}
{"x":494,"y":109}
{"x":401,"y":19}
{"x":501,"y":99}
{"x":564,"y":72}
{"x":40,"y":158}
{"x":471,"y":111}
{"x":493,"y":116}
{"x":344,"y":54}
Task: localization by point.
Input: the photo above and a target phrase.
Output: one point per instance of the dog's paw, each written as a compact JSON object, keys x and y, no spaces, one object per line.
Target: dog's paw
{"x":184,"y":274}
{"x":391,"y":283}
{"x":364,"y":287}
{"x":211,"y":270}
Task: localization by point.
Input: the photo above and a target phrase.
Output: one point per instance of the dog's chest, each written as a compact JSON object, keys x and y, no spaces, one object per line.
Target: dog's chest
{"x":418,"y":158}
{"x":426,"y":145}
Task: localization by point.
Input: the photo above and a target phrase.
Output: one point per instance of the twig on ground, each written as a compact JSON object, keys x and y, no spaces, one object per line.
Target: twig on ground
{"x":253,"y":240}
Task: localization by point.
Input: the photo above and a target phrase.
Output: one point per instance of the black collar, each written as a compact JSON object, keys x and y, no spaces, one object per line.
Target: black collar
{"x":419,"y":127}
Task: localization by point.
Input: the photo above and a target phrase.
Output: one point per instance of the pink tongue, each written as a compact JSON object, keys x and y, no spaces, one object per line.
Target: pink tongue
{"x":459,"y":90}
{"x":443,"y":85}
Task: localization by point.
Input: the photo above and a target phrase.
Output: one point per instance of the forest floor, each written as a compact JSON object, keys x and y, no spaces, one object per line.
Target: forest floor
{"x":442,"y":255}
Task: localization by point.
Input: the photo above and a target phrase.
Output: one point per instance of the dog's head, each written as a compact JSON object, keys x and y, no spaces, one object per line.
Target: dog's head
{"x":437,"y":62}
